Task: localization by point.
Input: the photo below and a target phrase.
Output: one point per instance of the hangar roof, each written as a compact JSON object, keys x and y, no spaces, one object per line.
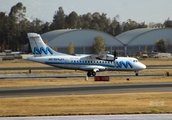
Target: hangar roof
{"x":129,"y":36}
{"x":52,"y":34}
{"x":124,"y":38}
{"x":76,"y":35}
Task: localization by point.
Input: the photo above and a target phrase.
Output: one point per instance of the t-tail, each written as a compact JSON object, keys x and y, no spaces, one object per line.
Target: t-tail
{"x":39,"y":48}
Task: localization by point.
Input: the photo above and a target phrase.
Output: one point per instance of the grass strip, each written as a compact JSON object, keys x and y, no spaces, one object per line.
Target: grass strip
{"x":129,"y":103}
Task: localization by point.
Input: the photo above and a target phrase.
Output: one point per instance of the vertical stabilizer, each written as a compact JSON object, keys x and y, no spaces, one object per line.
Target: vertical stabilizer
{"x":39,"y":48}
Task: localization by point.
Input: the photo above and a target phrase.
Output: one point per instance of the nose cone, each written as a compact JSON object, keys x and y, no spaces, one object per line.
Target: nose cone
{"x":142,"y":66}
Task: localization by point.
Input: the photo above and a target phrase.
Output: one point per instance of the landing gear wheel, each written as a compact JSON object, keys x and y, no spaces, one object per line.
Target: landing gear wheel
{"x":88,"y":73}
{"x":93,"y":73}
{"x":137,"y":74}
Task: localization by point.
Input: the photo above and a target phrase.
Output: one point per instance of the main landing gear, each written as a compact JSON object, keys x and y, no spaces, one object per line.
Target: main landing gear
{"x":91,"y":73}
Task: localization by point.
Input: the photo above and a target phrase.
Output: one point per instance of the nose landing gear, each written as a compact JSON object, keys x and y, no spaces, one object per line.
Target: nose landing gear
{"x":137,"y":73}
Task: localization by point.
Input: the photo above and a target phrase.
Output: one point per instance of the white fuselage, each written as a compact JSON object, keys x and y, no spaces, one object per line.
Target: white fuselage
{"x":85,"y":63}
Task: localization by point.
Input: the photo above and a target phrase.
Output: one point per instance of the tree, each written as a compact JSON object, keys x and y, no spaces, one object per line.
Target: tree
{"x":16,"y":15}
{"x":130,"y":25}
{"x":99,"y":44}
{"x":36,"y":26}
{"x":73,"y":21}
{"x":115,"y":28}
{"x":95,"y":21}
{"x":58,"y":20}
{"x":167,"y":44}
{"x":70,"y":49}
{"x":168,"y":23}
{"x":160,"y":45}
{"x":45,"y":27}
{"x":151,"y":25}
{"x":145,"y":49}
{"x":86,"y":20}
{"x":142,"y":25}
{"x":100,"y":22}
{"x":3,"y":27}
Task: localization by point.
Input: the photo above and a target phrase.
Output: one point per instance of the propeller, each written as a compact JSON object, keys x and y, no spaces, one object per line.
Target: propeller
{"x":115,"y":54}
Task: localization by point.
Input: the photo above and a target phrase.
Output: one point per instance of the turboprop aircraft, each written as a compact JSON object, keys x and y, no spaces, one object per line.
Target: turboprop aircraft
{"x":90,"y":63}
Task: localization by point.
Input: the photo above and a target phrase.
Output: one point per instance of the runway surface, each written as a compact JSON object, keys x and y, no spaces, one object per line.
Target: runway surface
{"x":97,"y":117}
{"x":30,"y":76}
{"x":84,"y":89}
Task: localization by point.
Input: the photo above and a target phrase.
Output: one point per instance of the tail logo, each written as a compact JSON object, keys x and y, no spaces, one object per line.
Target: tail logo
{"x":42,"y":50}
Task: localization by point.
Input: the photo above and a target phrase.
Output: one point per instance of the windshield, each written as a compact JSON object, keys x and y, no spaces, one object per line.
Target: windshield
{"x":135,"y":60}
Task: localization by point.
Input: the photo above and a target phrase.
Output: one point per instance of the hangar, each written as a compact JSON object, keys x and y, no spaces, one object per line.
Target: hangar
{"x":129,"y":42}
{"x":82,"y":40}
{"x":136,"y":40}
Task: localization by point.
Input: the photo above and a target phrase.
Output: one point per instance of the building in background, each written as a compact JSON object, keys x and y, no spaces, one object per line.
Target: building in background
{"x":127,"y":43}
{"x":82,"y":40}
{"x":137,"y":40}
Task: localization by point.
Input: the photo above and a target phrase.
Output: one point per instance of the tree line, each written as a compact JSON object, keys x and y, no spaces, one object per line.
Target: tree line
{"x":14,"y":26}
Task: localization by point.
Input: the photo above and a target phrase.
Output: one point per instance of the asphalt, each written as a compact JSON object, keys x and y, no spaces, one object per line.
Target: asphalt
{"x":96,"y":117}
{"x":84,"y":89}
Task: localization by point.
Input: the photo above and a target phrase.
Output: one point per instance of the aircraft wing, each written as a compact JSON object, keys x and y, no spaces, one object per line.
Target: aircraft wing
{"x":102,"y":56}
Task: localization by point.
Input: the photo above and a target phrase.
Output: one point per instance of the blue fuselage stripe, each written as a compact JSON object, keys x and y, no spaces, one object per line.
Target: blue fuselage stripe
{"x":69,"y":63}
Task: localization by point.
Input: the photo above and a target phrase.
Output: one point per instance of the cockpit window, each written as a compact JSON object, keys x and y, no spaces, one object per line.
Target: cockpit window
{"x":135,"y":60}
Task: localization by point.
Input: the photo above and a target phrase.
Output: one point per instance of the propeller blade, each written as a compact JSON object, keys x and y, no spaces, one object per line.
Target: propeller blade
{"x":115,"y":54}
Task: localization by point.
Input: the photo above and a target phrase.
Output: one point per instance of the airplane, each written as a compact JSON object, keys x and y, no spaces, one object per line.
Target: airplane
{"x":89,"y":63}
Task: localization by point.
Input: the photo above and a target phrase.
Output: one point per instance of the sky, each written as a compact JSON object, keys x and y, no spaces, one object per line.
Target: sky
{"x":156,"y":11}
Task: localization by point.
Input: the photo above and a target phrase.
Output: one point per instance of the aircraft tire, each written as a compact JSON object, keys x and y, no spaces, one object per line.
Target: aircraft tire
{"x":93,"y":73}
{"x":88,"y":73}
